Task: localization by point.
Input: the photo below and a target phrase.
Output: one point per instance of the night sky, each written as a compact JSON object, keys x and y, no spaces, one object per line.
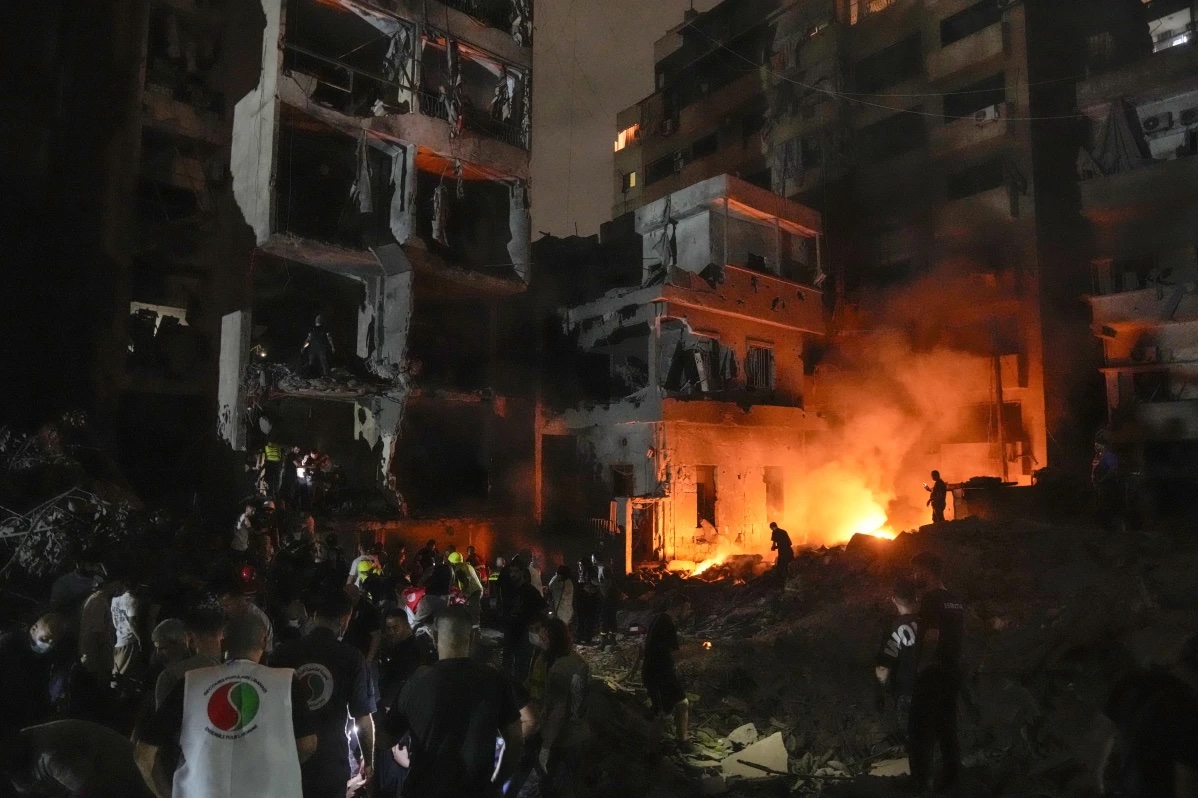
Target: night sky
{"x":591,"y":60}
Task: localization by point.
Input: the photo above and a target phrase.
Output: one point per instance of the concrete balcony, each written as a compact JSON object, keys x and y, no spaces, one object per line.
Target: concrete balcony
{"x":1175,"y":65}
{"x":964,"y":215}
{"x":972,"y":51}
{"x":1145,"y":307}
{"x":968,"y":134}
{"x":1161,"y":184}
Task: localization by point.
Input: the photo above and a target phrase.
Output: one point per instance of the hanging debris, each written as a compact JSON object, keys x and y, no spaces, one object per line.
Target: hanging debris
{"x":522,"y":22}
{"x":451,"y":94}
{"x":440,"y":214}
{"x":361,"y":192}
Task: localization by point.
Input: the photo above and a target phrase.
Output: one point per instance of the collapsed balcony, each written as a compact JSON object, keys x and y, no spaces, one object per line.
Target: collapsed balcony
{"x":360,"y":63}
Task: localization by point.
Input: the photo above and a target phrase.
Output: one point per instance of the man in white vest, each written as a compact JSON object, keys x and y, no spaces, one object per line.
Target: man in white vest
{"x":243,"y":728}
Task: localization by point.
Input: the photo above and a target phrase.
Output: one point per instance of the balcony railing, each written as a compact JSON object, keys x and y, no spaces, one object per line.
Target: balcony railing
{"x":355,"y":91}
{"x":476,"y":120}
{"x":495,"y":13}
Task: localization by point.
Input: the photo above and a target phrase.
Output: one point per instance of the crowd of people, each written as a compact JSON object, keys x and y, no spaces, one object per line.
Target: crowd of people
{"x":288,"y":669}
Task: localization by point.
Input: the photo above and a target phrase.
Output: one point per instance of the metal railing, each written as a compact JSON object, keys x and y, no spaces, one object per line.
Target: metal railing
{"x":362,"y":87}
{"x":495,"y":13}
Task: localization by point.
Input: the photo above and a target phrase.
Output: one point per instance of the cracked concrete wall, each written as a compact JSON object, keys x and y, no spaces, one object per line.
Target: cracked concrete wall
{"x":234,"y":347}
{"x":403,"y":200}
{"x":255,"y":125}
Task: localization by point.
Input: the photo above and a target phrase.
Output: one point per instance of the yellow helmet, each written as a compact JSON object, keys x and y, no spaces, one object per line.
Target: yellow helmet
{"x":455,"y":558}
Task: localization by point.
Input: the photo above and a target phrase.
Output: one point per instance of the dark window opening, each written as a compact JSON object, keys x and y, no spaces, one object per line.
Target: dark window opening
{"x":775,"y":491}
{"x":623,"y":481}
{"x":759,"y":368}
{"x":976,"y":97}
{"x":705,"y":495}
{"x":976,"y":179}
{"x":968,"y":22}
{"x":708,"y":145}
{"x":898,"y":62}
{"x":1151,"y":386}
{"x":893,"y":136}
{"x":660,"y":169}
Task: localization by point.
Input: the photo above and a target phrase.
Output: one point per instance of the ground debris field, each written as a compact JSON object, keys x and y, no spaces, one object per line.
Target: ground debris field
{"x":1055,"y":615}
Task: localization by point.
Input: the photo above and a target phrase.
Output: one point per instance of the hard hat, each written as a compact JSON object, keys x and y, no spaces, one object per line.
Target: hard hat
{"x":455,"y":558}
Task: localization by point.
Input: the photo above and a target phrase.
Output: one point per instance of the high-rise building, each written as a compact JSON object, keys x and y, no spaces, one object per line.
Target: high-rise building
{"x":382,"y":164}
{"x":1139,"y":193}
{"x":937,"y":139}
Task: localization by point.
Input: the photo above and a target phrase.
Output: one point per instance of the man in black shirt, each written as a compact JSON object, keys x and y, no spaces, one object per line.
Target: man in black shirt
{"x":938,"y":656}
{"x":337,"y":687}
{"x":526,"y":605}
{"x":895,"y":667}
{"x":781,"y":543}
{"x":939,"y":498}
{"x":456,"y":711}
{"x":401,"y":654}
{"x":30,"y":662}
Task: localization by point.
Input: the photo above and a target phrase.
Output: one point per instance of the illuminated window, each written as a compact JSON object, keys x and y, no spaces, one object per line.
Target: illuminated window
{"x":859,"y":9}
{"x":626,"y":136}
{"x":629,"y":180}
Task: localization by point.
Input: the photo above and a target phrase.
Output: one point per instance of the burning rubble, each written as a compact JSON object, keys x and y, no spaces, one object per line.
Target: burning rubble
{"x":1056,"y":614}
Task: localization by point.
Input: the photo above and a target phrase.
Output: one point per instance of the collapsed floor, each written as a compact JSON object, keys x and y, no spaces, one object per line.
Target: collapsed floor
{"x":1055,"y":615}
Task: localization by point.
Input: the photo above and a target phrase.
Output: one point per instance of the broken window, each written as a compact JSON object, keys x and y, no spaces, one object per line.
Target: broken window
{"x":775,"y":491}
{"x":623,"y":480}
{"x":759,"y":367}
{"x":1151,"y":386}
{"x":898,"y":62}
{"x":660,"y":169}
{"x":976,"y":98}
{"x":705,"y":494}
{"x":975,"y":179}
{"x":968,"y":22}
{"x":701,"y":365}
{"x":893,"y":136}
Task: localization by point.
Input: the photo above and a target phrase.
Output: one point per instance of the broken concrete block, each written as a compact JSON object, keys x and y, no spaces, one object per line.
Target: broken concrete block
{"x":744,"y":735}
{"x":760,"y":760}
{"x":891,"y":767}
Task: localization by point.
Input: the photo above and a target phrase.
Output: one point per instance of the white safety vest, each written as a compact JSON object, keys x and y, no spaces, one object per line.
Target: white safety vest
{"x":238,"y":740}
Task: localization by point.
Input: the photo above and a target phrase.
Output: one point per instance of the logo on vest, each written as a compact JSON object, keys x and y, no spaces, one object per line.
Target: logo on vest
{"x":318,"y":684}
{"x":232,"y":707}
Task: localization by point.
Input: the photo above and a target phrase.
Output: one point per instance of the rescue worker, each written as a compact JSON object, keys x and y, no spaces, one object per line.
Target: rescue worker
{"x":660,"y":678}
{"x":366,"y":563}
{"x":337,"y":687}
{"x":272,"y":465}
{"x":938,"y":645}
{"x":609,"y":599}
{"x":895,"y":667}
{"x":939,"y":498}
{"x":318,"y":349}
{"x":243,"y":728}
{"x":470,"y":585}
{"x":780,"y":542}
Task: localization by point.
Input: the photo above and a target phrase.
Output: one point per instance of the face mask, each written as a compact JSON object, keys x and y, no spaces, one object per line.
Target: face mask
{"x":42,"y":647}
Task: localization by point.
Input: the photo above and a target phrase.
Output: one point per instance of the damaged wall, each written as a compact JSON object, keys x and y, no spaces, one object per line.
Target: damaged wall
{"x":255,"y":132}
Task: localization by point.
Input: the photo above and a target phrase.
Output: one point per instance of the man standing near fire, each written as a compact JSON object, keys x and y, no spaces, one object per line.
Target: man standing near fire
{"x":939,"y":498}
{"x":786,"y":552}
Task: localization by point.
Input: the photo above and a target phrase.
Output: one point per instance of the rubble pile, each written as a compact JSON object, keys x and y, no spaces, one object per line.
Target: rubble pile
{"x":60,"y":497}
{"x":1055,"y":615}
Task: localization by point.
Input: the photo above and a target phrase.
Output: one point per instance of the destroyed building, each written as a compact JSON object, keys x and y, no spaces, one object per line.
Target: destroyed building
{"x":1138,"y":185}
{"x":382,"y":163}
{"x":937,"y":139}
{"x":693,"y":434}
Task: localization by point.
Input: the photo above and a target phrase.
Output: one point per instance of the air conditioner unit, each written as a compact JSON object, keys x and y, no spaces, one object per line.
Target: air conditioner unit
{"x":988,"y":114}
{"x":1157,"y":122}
{"x":1145,"y":354}
{"x":669,"y":126}
{"x":1189,"y":116}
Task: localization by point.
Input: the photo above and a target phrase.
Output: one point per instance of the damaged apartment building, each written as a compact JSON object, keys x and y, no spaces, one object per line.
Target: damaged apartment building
{"x":382,"y":163}
{"x":695,"y":436}
{"x":938,"y":140}
{"x":1139,"y":192}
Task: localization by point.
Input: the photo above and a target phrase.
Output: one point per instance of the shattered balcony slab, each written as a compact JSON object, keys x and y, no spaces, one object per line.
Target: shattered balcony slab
{"x":506,"y":160}
{"x":743,"y":197}
{"x":276,"y":380}
{"x":1145,"y":307}
{"x":320,"y":255}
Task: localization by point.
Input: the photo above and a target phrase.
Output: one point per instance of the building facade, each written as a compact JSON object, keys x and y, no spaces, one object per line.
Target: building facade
{"x":382,"y":164}
{"x":702,"y":430}
{"x":936,"y":137}
{"x":1137,"y":172}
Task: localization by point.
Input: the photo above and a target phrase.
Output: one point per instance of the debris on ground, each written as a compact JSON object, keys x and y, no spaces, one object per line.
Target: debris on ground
{"x":1055,"y":615}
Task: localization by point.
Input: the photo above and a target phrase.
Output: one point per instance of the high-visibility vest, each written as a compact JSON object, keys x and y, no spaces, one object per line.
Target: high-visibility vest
{"x":238,"y":740}
{"x":274,"y":452}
